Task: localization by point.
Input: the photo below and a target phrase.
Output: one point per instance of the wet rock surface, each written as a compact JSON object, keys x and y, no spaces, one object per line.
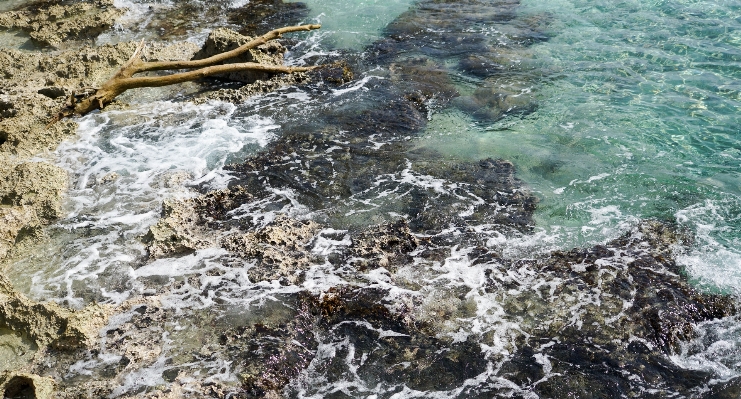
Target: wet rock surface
{"x":187,"y":225}
{"x":607,"y":318}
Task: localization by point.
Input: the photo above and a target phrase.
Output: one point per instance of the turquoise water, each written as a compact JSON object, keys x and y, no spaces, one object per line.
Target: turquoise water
{"x":637,"y":118}
{"x":356,"y":23}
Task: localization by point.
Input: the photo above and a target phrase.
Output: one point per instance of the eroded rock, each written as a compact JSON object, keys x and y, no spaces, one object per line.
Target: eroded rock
{"x":279,"y":248}
{"x":48,"y":324}
{"x":26,"y":386}
{"x":184,"y":226}
{"x":13,"y":221}
{"x":35,"y":185}
{"x":52,"y":24}
{"x":610,"y":311}
{"x":385,"y":246}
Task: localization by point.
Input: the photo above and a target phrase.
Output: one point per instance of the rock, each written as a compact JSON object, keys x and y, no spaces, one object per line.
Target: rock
{"x":183,"y":227}
{"x":222,"y":40}
{"x":493,"y":102}
{"x":242,"y":94}
{"x":13,"y":220}
{"x":51,"y":25}
{"x":36,"y":185}
{"x":26,"y":386}
{"x":279,"y":248}
{"x":385,"y":246}
{"x":259,"y":16}
{"x":610,"y":311}
{"x":48,"y":324}
{"x":52,"y":92}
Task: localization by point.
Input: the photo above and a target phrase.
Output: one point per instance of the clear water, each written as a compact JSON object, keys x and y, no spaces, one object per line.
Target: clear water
{"x":637,"y":118}
{"x":354,"y":24}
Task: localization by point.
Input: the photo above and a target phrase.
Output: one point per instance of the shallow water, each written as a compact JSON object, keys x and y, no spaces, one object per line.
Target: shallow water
{"x":610,"y":112}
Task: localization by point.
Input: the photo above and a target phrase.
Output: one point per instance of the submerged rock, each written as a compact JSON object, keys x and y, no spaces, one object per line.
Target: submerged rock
{"x":260,"y":16}
{"x":605,"y":319}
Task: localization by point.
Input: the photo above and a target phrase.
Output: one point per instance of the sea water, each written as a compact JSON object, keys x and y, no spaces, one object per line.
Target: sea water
{"x":637,"y":117}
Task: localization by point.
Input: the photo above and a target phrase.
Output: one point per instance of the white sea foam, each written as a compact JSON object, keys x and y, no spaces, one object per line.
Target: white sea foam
{"x":714,"y":261}
{"x":122,"y":166}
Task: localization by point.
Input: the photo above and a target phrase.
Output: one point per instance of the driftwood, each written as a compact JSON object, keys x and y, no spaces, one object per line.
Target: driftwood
{"x":98,"y":98}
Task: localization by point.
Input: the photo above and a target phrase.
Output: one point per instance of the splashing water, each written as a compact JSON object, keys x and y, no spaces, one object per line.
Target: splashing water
{"x":636,"y":118}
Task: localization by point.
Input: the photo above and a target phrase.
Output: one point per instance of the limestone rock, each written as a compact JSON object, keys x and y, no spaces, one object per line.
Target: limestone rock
{"x":52,"y":25}
{"x":23,"y":385}
{"x":37,"y":185}
{"x":12,"y":221}
{"x":182,"y":228}
{"x":384,"y":246}
{"x":280,"y":249}
{"x":48,"y":324}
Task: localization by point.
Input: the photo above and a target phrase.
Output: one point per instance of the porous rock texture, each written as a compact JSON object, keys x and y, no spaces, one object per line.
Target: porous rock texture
{"x":48,"y":324}
{"x":51,"y":23}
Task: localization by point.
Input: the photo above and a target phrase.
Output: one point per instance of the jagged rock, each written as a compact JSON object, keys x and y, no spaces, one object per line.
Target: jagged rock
{"x":280,"y":249}
{"x":184,"y":225}
{"x":26,"y":386}
{"x":611,"y":310}
{"x":242,"y":94}
{"x":53,"y":24}
{"x":35,"y":185}
{"x":13,"y":220}
{"x":385,"y":246}
{"x":48,"y":324}
{"x":258,"y":16}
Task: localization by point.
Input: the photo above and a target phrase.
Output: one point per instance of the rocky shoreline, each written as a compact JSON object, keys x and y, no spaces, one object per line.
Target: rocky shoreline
{"x":594,"y":322}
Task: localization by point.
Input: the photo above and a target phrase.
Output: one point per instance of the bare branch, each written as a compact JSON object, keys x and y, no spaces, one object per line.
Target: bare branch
{"x":124,"y":79}
{"x":158,"y":81}
{"x":126,"y":70}
{"x":168,"y":65}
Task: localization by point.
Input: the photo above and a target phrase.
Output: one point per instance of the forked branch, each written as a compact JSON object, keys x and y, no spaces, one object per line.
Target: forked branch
{"x":124,"y":79}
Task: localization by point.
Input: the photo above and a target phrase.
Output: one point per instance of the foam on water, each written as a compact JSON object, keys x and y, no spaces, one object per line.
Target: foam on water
{"x":123,"y":165}
{"x":716,"y":349}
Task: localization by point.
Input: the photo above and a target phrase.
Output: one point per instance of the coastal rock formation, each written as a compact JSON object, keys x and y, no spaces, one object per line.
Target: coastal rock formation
{"x":48,"y":324}
{"x":184,"y":226}
{"x":51,"y":24}
{"x":606,"y":318}
{"x":279,"y":249}
{"x":22,"y":385}
{"x":35,"y":185}
{"x":386,"y":246}
{"x":13,"y":221}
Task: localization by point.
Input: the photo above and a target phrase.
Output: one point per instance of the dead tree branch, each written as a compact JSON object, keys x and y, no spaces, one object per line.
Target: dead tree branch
{"x":124,"y":79}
